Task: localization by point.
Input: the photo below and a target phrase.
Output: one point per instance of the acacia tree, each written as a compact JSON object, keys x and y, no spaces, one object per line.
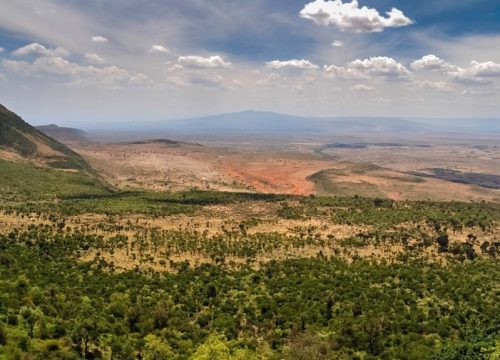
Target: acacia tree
{"x":156,"y":349}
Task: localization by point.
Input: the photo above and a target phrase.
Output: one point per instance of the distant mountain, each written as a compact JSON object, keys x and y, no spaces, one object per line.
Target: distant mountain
{"x":255,"y":122}
{"x":65,"y":134}
{"x":258,"y":124}
{"x":478,"y":126}
{"x":20,"y":138}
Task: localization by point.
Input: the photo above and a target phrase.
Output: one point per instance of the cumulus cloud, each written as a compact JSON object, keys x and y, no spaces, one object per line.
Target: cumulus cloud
{"x":431,"y":63}
{"x":379,"y":66}
{"x":350,"y":17}
{"x":362,"y":88}
{"x":215,"y":81}
{"x":40,"y":50}
{"x":99,"y":39}
{"x":441,"y":86}
{"x":159,"y":49}
{"x":337,"y":43}
{"x":94,"y":58}
{"x":474,"y":92}
{"x":292,"y":64}
{"x":72,"y":73}
{"x":199,"y":62}
{"x":175,"y":67}
{"x":467,"y":76}
{"x":1,"y":49}
{"x":270,"y":81}
{"x":485,"y":69}
{"x":476,"y":74}
{"x":334,"y":71}
{"x":382,"y":100}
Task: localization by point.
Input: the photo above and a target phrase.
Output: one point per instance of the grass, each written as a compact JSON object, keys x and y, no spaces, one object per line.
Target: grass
{"x":17,"y":135}
{"x":25,"y":181}
{"x":325,"y":185}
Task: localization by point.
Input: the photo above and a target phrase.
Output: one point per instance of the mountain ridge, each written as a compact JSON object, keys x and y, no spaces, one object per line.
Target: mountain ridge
{"x":64,"y":134}
{"x":17,"y":137}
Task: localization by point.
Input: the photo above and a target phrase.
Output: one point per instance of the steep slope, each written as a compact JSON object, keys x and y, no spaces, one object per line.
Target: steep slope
{"x":18,"y":139}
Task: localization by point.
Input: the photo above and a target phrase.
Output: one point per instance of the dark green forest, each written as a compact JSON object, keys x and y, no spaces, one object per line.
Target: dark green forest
{"x":53,"y":305}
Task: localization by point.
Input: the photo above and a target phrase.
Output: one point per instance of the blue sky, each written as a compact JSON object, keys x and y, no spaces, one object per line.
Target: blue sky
{"x":84,"y":62}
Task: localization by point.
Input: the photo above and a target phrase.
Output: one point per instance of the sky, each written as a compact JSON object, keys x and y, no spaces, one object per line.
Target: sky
{"x":74,"y":62}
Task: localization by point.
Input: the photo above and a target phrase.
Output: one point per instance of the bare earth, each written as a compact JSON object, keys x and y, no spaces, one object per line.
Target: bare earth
{"x":160,"y":166}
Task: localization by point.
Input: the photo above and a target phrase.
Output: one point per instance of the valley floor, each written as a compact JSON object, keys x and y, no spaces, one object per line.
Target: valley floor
{"x":402,"y":173}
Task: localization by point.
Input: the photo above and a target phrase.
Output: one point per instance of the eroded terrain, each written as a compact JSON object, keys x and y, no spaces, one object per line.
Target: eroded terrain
{"x":401,"y":173}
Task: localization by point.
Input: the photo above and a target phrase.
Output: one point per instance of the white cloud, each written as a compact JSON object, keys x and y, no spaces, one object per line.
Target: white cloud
{"x":362,"y":88}
{"x":199,"y":62}
{"x":68,"y":72}
{"x":334,"y":71}
{"x":215,"y":81}
{"x":441,"y":86}
{"x":270,"y":81}
{"x":476,"y":74}
{"x":1,"y":49}
{"x":159,"y":49}
{"x":337,"y":43}
{"x":292,"y":64}
{"x":430,"y":63}
{"x":473,"y":92}
{"x":40,"y":50}
{"x":467,"y":76}
{"x":382,"y":100}
{"x":350,"y":17}
{"x":175,"y":67}
{"x":485,"y":69}
{"x":94,"y":58}
{"x":99,"y":39}
{"x":380,"y":66}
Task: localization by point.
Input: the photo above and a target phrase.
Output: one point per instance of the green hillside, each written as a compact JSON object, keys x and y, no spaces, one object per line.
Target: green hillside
{"x":18,"y":136}
{"x":24,"y":181}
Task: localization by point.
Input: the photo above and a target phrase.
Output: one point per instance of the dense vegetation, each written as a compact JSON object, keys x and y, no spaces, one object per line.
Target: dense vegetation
{"x":330,"y":304}
{"x":52,"y":306}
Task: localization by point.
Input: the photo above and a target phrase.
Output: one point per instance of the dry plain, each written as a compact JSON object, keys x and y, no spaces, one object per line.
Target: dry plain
{"x":386,"y":171}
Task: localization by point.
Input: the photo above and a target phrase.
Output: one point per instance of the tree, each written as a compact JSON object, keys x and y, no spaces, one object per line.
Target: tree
{"x":3,"y":335}
{"x":214,"y":348}
{"x":443,"y":242}
{"x":160,"y":314}
{"x":156,"y":349}
{"x":306,"y":347}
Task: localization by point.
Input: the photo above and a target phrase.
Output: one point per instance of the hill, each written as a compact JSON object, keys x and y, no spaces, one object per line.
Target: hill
{"x":256,"y":122}
{"x":271,"y":124}
{"x":33,"y":166}
{"x":20,"y":140}
{"x":65,"y":135}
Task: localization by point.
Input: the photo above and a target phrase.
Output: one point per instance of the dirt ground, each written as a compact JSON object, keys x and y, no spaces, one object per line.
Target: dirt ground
{"x":163,"y":166}
{"x":159,"y":166}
